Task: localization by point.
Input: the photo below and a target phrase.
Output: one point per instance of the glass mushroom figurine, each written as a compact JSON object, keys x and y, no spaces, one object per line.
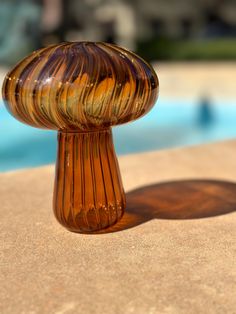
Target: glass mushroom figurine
{"x":82,"y":89}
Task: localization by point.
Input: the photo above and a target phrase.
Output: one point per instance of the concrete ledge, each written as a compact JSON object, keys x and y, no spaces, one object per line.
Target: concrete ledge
{"x":157,"y":262}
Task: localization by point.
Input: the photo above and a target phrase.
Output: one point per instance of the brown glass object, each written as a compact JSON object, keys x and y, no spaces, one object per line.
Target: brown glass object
{"x":82,"y":89}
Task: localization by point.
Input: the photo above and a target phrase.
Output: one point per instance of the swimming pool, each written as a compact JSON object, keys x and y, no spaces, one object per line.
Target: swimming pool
{"x":168,"y":124}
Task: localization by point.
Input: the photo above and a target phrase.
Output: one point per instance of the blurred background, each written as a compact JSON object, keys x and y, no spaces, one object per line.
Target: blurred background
{"x":190,"y":43}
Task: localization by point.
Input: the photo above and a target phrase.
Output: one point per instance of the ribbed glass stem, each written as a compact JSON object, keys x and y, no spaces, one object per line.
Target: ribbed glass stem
{"x":88,"y":193}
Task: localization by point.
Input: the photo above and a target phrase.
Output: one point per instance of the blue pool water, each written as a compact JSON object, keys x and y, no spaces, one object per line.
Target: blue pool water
{"x":169,"y":124}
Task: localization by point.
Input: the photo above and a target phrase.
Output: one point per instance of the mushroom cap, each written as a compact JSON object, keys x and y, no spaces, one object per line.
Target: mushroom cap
{"x":80,"y":86}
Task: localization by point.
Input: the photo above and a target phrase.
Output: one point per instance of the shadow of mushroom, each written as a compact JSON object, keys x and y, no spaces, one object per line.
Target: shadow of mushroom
{"x":185,"y":199}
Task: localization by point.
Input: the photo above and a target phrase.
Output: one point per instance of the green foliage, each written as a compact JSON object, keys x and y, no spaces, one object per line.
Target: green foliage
{"x":164,"y":49}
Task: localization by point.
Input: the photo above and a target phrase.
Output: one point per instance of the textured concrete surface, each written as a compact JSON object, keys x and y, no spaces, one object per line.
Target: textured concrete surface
{"x":193,"y":80}
{"x":152,"y":265}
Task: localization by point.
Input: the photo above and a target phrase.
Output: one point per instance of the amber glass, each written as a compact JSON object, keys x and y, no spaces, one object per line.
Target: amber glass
{"x":82,"y":89}
{"x":88,"y":193}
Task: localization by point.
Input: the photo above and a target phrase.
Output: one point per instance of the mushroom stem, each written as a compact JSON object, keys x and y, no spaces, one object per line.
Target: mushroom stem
{"x":88,"y":191}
